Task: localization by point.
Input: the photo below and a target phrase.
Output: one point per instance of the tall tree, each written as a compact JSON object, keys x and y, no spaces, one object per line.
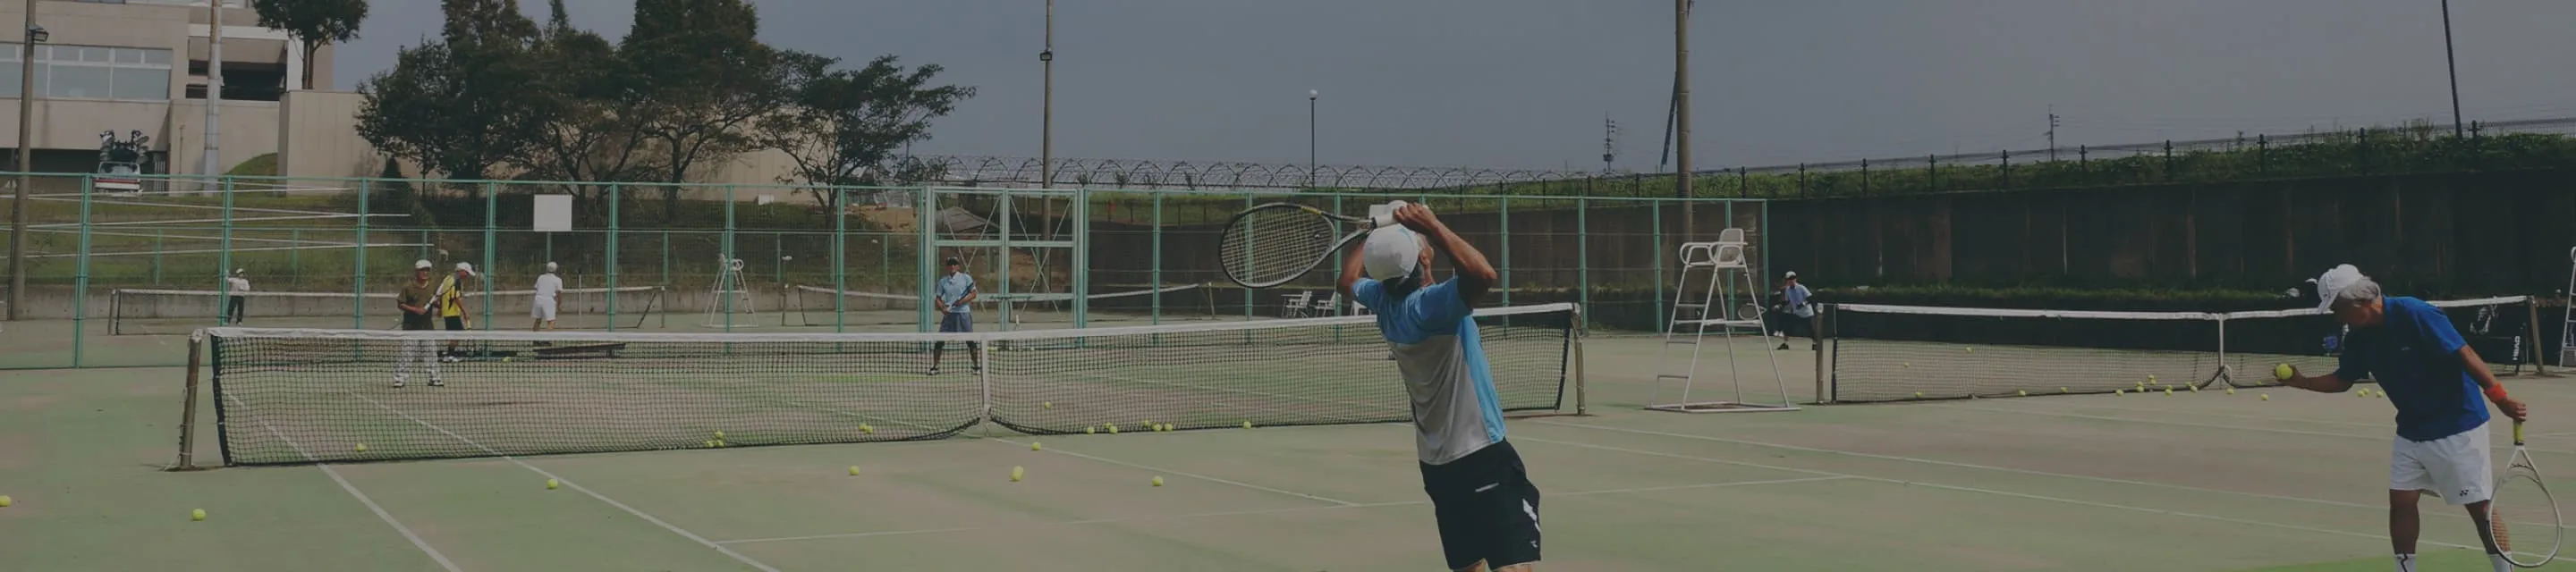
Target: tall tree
{"x":845,"y":126}
{"x":313,"y":23}
{"x":584,"y":111}
{"x":458,"y":105}
{"x":703,"y":78}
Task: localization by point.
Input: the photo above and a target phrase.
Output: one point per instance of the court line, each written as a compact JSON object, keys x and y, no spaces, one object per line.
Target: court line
{"x":388,"y":517}
{"x":2012,"y":494}
{"x":2379,"y":425}
{"x":737,"y":556}
{"x":1271,"y":511}
{"x":2200,"y":425}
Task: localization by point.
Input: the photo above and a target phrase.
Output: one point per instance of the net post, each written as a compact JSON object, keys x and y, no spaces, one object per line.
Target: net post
{"x":2226,"y":371}
{"x":1816,"y":335}
{"x":1582,"y":394}
{"x":1157,"y":262}
{"x":188,"y":404}
{"x":2539,"y":367}
{"x":1082,"y":258}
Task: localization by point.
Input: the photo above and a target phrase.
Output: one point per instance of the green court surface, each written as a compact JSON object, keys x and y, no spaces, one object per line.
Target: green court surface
{"x":2191,"y":481}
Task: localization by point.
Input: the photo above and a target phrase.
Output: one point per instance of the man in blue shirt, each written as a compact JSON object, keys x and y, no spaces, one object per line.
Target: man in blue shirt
{"x":956,"y":290}
{"x":2436,"y":381}
{"x":1481,"y":497}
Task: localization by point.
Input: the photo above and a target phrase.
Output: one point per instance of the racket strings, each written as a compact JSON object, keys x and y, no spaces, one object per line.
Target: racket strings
{"x":2521,"y":503}
{"x":1275,"y":244}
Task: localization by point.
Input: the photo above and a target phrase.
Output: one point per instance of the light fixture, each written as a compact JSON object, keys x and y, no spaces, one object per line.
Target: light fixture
{"x":37,"y":34}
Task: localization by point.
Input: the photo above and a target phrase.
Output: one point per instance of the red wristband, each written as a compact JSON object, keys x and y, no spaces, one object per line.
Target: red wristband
{"x":2495,"y":392}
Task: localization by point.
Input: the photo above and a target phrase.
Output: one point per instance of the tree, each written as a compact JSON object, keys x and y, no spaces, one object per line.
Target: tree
{"x":702,"y":77}
{"x":844,"y":127}
{"x":313,"y":23}
{"x":583,"y":108}
{"x":458,"y":105}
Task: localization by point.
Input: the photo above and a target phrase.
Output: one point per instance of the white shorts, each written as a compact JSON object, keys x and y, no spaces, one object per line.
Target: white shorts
{"x":543,"y":309}
{"x":2457,"y":468}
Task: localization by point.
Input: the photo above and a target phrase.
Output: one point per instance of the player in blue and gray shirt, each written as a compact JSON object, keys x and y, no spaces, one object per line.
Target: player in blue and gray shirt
{"x":2436,"y":381}
{"x":956,"y":293}
{"x":1481,"y":495}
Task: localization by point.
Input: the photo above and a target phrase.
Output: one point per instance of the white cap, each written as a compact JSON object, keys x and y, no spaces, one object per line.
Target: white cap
{"x":550,"y":267}
{"x":420,"y":264}
{"x":240,"y":271}
{"x":1792,"y":275}
{"x":1391,"y":253}
{"x":464,"y":267}
{"x":2334,"y":282}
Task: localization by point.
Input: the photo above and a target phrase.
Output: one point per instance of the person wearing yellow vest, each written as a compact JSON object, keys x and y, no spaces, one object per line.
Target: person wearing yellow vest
{"x":451,"y":304}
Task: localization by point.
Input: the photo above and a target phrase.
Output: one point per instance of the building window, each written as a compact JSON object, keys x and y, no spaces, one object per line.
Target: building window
{"x":91,"y":72}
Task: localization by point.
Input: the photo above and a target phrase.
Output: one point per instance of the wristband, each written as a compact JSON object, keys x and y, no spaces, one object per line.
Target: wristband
{"x":2495,"y":392}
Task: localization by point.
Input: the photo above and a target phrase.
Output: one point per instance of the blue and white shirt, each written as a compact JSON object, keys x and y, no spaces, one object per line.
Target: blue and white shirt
{"x":2415,"y":355}
{"x":1797,"y":295}
{"x":1455,"y":410}
{"x":953,"y":288}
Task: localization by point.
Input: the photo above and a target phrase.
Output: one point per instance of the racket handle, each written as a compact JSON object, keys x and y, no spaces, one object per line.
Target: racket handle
{"x":2517,"y":432}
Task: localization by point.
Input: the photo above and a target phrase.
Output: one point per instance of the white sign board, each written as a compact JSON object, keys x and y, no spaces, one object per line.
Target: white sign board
{"x":553,"y":213}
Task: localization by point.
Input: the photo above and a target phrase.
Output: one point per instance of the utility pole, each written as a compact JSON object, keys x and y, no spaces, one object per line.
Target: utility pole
{"x":2052,"y":132}
{"x":1046,"y":121}
{"x":26,"y":157}
{"x":1681,"y":114}
{"x":1310,"y":137}
{"x":212,"y":163}
{"x":2458,"y":125}
{"x":1609,"y":143}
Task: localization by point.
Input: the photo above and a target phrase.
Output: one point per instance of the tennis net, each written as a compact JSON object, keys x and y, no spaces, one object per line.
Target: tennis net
{"x":176,"y":312}
{"x":828,"y":307}
{"x":293,"y":396}
{"x":1893,"y":353}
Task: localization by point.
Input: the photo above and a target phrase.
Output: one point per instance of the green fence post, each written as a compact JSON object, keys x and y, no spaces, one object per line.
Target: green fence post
{"x":491,"y":242}
{"x":294,"y":255}
{"x":1157,"y":263}
{"x":157,"y":246}
{"x":1247,"y":292}
{"x":80,"y":279}
{"x":840,"y":264}
{"x":1335,"y":261}
{"x":725,"y":270}
{"x":1656,"y":212}
{"x":358,"y":274}
{"x":612,"y":258}
{"x":1505,"y":206}
{"x":223,"y":261}
{"x":926,"y":245}
{"x":1006,"y":223}
{"x":1583,"y":253}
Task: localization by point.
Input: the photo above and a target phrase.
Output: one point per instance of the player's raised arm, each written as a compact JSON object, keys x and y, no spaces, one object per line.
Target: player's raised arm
{"x":1352,"y":268}
{"x":1475,"y":275}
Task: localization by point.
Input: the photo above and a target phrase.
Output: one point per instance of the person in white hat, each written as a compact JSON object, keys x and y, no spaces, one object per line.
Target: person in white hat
{"x":238,"y":283}
{"x":1481,"y":495}
{"x":2436,"y":381}
{"x":542,"y":309}
{"x":451,"y":305}
{"x":418,"y":300}
{"x":1794,"y":312}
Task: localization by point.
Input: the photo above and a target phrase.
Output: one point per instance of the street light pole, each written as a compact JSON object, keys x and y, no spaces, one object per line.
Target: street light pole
{"x":1310,"y":137}
{"x":26,"y":162}
{"x":1681,"y":115}
{"x":2453,"y":62}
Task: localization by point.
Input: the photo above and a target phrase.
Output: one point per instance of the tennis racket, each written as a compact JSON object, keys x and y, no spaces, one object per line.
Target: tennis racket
{"x":1271,"y":244}
{"x":2521,"y":496}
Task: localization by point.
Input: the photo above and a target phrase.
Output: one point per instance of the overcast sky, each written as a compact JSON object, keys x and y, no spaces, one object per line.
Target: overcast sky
{"x":1527,"y":83}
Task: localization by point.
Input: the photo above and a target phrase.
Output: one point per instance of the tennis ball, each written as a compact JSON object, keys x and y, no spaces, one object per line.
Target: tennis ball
{"x":2195,"y":389}
{"x":505,"y":360}
{"x":1033,"y":446}
{"x":1158,"y":480}
{"x":864,"y":428}
{"x":1047,"y":405}
{"x":1909,"y":364}
{"x":2231,"y":391}
{"x":2362,"y":393}
{"x":2024,"y":393}
{"x":1016,"y":473}
{"x":1167,"y":427}
{"x":199,"y":514}
{"x":1113,"y":428}
{"x":2062,"y":390}
{"x":1918,"y":395}
{"x":711,"y":443}
{"x":1090,"y":430}
{"x":4,"y":500}
{"x":854,"y":470}
{"x":1972,"y":349}
{"x":2119,"y":392}
{"x":2168,"y":391}
{"x":362,"y":447}
{"x":551,"y":484}
{"x":719,"y":434}
{"x":1247,"y":424}
{"x":2267,"y":397}
{"x":2151,"y":379}
{"x":2283,"y":372}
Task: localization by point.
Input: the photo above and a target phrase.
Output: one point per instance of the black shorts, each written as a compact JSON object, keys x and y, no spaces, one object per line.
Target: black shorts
{"x":1486,"y":507}
{"x":455,"y":323}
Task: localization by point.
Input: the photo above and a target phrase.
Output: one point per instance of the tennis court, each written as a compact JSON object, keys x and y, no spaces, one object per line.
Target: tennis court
{"x":2196,"y":481}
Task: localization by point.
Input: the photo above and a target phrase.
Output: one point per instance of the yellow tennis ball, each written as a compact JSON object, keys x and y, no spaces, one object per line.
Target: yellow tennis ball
{"x":505,"y":360}
{"x":2024,"y":393}
{"x":199,"y":514}
{"x":2267,"y":397}
{"x":1169,"y":427}
{"x":2195,"y":389}
{"x":362,"y":447}
{"x":1158,"y":480}
{"x":2063,"y":390}
{"x":2231,"y":391}
{"x":1247,"y":424}
{"x":864,"y":428}
{"x":1918,"y":395}
{"x":551,"y":484}
{"x":2283,"y":372}
{"x":4,"y":501}
{"x":1090,"y":430}
{"x":711,"y":443}
{"x":2168,"y":391}
{"x":1033,"y":446}
{"x":1113,"y":428}
{"x":2119,"y":392}
{"x":854,"y":470}
{"x":2362,"y":393}
{"x":1908,"y":364}
{"x":1016,"y":473}
{"x":1972,"y":349}
{"x":1048,"y":405}
{"x":2151,"y":379}
{"x":719,"y":434}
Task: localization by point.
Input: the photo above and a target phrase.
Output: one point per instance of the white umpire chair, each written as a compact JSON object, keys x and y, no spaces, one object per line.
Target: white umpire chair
{"x":1706,"y":297}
